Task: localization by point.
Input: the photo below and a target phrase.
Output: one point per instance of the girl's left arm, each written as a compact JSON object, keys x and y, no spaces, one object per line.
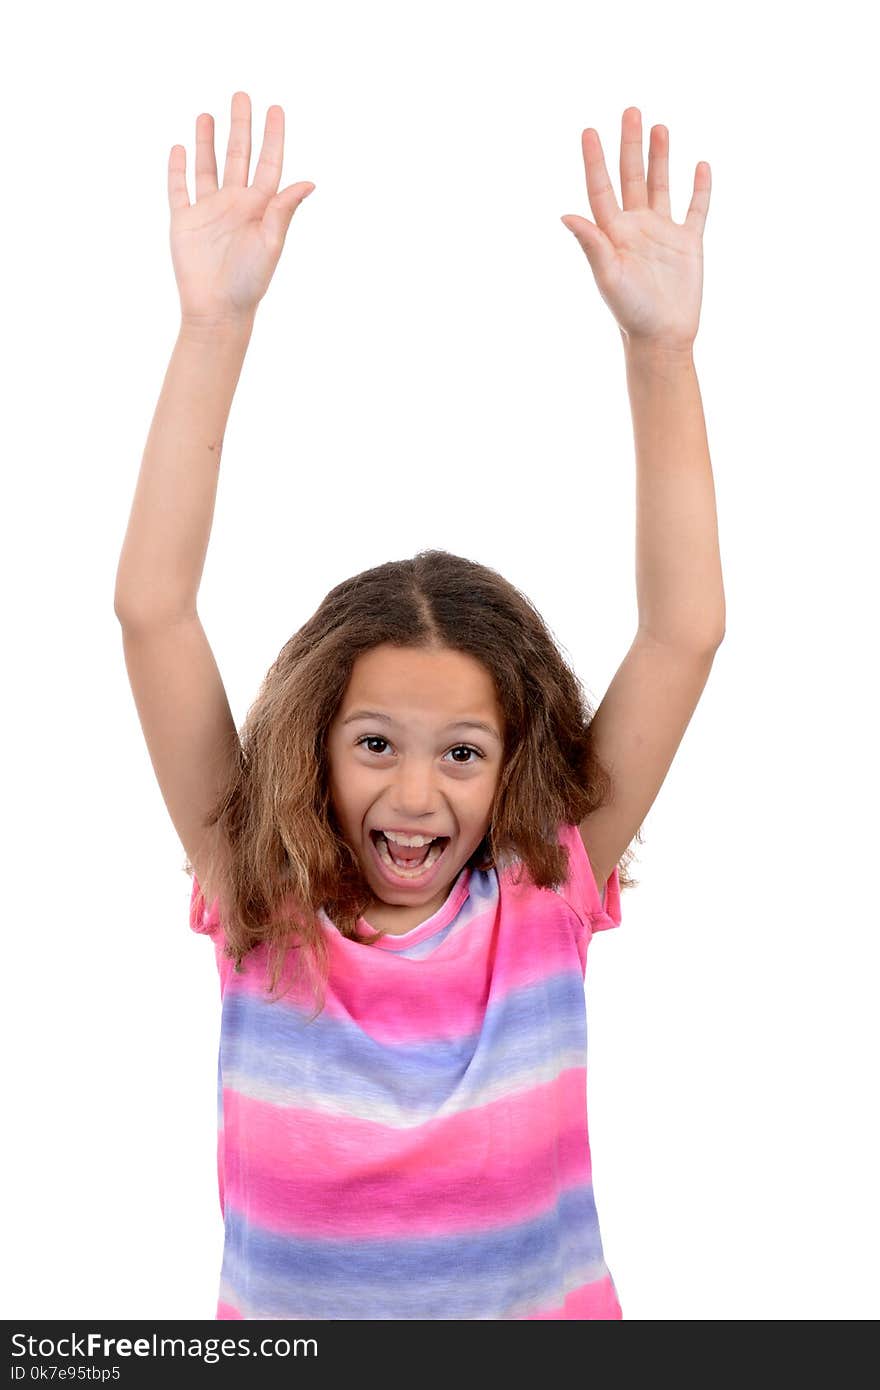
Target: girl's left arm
{"x":649,"y":271}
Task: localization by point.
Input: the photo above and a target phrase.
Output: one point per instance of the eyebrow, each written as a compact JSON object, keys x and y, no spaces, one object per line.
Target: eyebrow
{"x":456,"y":723}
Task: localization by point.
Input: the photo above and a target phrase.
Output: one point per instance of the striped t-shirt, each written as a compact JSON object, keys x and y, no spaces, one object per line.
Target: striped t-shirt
{"x":420,"y":1149}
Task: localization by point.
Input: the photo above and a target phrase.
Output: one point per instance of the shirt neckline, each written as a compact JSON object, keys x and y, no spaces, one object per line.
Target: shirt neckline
{"x":442,"y":917}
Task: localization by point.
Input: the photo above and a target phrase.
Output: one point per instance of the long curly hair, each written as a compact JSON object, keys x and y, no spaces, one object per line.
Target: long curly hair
{"x":275,"y":854}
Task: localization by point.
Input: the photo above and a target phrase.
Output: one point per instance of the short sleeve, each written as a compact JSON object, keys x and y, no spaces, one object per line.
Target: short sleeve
{"x":580,"y":890}
{"x":201,"y":918}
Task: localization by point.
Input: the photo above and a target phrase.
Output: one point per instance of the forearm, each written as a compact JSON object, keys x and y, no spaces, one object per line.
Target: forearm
{"x":163,"y":554}
{"x":678,"y":563}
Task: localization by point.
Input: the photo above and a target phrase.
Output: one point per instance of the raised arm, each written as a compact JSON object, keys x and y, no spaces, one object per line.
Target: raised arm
{"x":224,"y":248}
{"x":649,"y":270}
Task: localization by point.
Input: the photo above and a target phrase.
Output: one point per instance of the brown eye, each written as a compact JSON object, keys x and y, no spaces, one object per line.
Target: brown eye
{"x":370,"y":738}
{"x":466,"y":748}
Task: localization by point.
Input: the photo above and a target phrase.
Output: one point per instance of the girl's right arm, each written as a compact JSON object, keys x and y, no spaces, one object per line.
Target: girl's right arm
{"x":224,"y":249}
{"x":178,"y":691}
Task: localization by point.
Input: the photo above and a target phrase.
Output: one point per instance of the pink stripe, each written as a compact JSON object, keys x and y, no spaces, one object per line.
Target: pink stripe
{"x":596,"y":1300}
{"x":226,"y":1310}
{"x":369,"y":990}
{"x":472,"y":1171}
{"x":449,"y":1000}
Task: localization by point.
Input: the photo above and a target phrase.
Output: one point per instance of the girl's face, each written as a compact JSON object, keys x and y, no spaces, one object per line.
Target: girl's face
{"x":405,"y":754}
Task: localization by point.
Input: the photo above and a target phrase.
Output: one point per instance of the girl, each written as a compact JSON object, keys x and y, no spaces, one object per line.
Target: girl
{"x":410,"y":845}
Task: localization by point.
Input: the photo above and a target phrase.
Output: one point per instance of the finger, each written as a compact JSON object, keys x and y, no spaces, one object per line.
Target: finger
{"x":206,"y":163}
{"x":238,"y":151}
{"x":696,"y":213}
{"x":267,"y":175}
{"x":595,"y":245}
{"x":633,"y":192}
{"x":178,"y":197}
{"x":599,"y":191}
{"x":278,"y":215}
{"x":658,"y":170}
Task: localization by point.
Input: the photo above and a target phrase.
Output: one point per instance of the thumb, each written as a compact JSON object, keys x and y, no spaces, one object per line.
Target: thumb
{"x":276,"y":218}
{"x":595,"y":245}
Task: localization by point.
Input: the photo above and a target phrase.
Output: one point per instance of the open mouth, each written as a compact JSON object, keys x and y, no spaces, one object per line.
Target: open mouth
{"x":411,"y":867}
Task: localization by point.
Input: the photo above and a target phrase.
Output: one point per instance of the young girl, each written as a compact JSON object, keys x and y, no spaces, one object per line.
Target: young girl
{"x":410,"y":845}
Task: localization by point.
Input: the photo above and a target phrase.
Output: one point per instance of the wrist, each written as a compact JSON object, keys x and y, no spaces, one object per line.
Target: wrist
{"x":655,"y":349}
{"x":210,"y":329}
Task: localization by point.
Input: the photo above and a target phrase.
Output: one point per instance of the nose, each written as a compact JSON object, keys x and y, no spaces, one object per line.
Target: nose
{"x":413,"y":793}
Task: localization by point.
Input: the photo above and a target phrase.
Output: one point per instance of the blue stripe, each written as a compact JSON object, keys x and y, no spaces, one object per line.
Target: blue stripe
{"x":489,"y":1274}
{"x":270,"y":1048}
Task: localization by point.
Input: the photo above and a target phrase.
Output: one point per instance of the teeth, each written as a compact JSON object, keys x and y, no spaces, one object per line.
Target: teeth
{"x":408,"y":839}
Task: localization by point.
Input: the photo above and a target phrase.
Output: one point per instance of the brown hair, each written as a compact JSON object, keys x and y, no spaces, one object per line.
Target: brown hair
{"x":279,"y":855}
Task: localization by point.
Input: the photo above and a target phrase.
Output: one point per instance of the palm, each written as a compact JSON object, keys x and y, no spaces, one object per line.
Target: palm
{"x":648,"y":269}
{"x":653,"y":285}
{"x":219,"y":250}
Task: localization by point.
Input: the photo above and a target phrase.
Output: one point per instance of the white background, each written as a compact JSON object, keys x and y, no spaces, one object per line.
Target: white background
{"x":433,"y":366}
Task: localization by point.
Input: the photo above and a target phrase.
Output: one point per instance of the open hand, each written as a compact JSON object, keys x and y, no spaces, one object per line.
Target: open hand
{"x":225,"y":246}
{"x":648,"y":269}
